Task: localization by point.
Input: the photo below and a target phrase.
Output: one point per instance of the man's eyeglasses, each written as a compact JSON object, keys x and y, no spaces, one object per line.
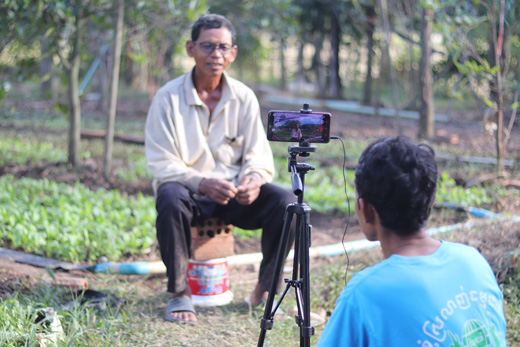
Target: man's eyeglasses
{"x":208,"y":47}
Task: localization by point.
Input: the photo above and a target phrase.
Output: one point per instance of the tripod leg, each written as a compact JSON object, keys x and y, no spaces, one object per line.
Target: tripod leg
{"x":306,"y":330}
{"x":267,"y":321}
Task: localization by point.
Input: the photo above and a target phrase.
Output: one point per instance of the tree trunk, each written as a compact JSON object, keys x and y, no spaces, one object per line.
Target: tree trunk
{"x":414,"y":85}
{"x":74,"y":102}
{"x":498,"y":42}
{"x":380,"y":81}
{"x":46,"y":73}
{"x":168,"y":63}
{"x":283,"y":69}
{"x":300,"y":72}
{"x":129,"y":75}
{"x":370,"y":26}
{"x":386,"y":26}
{"x":317,"y":66}
{"x":426,"y":116}
{"x":335,"y":79}
{"x":109,"y":139}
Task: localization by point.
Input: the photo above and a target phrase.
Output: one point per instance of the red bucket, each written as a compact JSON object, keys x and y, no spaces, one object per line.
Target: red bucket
{"x":209,"y":282}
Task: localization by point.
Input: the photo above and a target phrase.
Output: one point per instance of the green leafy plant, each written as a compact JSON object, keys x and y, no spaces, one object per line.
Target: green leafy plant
{"x":22,"y":149}
{"x":449,"y":191}
{"x":73,"y":223}
{"x":135,"y":171}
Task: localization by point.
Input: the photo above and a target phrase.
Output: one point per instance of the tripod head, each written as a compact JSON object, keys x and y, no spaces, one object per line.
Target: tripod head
{"x":298,"y":170}
{"x":303,"y":149}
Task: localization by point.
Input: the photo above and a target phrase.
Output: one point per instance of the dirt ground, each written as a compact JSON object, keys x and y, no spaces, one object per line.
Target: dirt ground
{"x":464,"y":131}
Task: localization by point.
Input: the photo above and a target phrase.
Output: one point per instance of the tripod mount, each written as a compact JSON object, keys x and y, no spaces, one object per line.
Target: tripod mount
{"x":300,"y":280}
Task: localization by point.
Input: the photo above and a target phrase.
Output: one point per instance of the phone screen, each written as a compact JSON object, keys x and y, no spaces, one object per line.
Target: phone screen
{"x":292,"y":126}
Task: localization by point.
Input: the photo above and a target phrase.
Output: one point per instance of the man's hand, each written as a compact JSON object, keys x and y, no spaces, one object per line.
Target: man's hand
{"x":248,"y":189}
{"x":218,"y":190}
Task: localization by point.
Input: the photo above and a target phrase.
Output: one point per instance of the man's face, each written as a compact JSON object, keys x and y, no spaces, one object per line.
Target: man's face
{"x":215,"y":62}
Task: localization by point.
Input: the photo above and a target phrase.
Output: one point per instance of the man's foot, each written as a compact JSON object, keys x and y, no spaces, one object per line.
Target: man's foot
{"x":184,"y":316}
{"x":258,"y":296}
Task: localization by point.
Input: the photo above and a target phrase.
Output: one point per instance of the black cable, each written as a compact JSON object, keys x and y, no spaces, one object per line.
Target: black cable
{"x":348,"y":205}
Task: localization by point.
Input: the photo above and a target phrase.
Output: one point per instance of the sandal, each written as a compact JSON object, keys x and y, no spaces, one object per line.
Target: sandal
{"x":180,"y":304}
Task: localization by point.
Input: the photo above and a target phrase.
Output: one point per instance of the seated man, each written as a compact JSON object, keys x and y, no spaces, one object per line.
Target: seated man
{"x":426,"y":292}
{"x":296,"y":133}
{"x":207,"y":150}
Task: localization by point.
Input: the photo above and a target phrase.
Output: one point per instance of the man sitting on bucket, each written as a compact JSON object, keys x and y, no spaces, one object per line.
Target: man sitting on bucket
{"x":207,"y":150}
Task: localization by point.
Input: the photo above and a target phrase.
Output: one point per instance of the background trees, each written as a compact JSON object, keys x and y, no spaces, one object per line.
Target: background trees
{"x":324,"y":48}
{"x":482,"y":36}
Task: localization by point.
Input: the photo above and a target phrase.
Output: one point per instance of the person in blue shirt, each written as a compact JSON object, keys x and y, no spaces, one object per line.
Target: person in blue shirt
{"x":425,"y":293}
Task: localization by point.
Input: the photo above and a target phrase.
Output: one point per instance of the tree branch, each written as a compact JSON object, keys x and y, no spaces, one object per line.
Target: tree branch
{"x":63,"y":59}
{"x":407,"y":38}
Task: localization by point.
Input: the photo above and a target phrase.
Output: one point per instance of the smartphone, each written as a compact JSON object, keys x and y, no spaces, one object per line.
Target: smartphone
{"x":293,"y":126}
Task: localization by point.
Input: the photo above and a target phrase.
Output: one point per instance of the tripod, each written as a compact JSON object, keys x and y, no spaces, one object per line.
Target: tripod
{"x":300,"y":275}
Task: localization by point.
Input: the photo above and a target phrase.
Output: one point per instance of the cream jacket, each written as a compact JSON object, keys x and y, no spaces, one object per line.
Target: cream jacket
{"x":184,"y":143}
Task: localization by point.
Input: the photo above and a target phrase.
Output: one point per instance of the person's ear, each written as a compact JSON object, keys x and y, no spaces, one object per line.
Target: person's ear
{"x":233,"y":54}
{"x":368,"y":212}
{"x":189,"y":48}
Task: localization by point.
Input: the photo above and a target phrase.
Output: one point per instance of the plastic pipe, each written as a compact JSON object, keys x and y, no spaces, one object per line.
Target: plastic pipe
{"x":136,"y":268}
{"x":477,"y":212}
{"x":157,"y":267}
{"x":92,"y":69}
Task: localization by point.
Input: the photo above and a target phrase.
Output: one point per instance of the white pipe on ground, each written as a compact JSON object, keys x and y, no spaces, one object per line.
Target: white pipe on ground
{"x":157,"y":267}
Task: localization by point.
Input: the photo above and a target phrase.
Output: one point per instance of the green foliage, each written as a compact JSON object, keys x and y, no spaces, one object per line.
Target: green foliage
{"x":16,"y":317}
{"x":449,"y":191}
{"x":471,"y":39}
{"x":328,"y":285}
{"x":4,"y":89}
{"x":137,"y":170}
{"x":511,"y":290}
{"x":326,"y":192}
{"x":73,"y":223}
{"x":157,"y":29}
{"x":247,"y":234}
{"x":22,"y":149}
{"x":19,"y":324}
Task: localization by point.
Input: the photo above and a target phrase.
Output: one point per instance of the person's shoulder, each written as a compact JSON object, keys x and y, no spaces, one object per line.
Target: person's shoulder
{"x":461,"y":251}
{"x":458,"y":247}
{"x":365,"y":276}
{"x":172,"y":86}
{"x":239,"y":88}
{"x":235,"y":83}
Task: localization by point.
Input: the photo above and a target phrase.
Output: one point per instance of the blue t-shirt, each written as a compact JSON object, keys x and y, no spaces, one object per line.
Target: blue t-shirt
{"x":449,"y":298}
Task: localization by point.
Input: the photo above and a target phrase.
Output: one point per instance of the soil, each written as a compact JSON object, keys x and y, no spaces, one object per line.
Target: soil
{"x":464,"y":132}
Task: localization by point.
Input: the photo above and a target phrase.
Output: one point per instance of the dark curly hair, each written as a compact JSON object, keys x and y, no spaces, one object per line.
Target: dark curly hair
{"x":398,"y":178}
{"x":212,"y":21}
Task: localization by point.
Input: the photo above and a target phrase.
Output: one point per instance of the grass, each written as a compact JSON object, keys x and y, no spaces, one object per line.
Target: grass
{"x":20,"y":149}
{"x":48,"y":120}
{"x":139,"y":320}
